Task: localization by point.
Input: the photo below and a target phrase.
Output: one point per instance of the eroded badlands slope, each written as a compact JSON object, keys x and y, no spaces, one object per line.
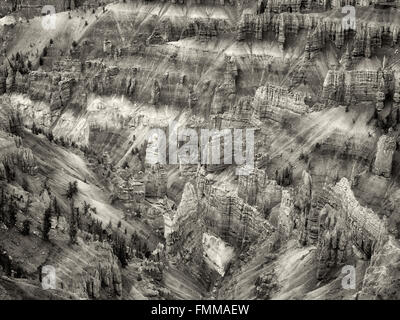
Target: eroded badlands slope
{"x":77,"y":103}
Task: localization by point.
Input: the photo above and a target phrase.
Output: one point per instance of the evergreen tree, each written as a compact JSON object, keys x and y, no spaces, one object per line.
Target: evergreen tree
{"x":26,"y":227}
{"x":50,"y":136}
{"x":57,"y":210}
{"x":25,"y":184}
{"x":119,"y":248}
{"x":73,"y":230}
{"x":12,"y":213}
{"x":46,"y":223}
{"x":78,"y":218}
{"x":86,"y":207}
{"x":122,"y":253}
{"x":72,"y":189}
{"x":3,"y":201}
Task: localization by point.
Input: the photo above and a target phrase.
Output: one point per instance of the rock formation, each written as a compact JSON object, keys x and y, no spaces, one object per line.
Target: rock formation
{"x":276,"y":103}
{"x":384,"y":155}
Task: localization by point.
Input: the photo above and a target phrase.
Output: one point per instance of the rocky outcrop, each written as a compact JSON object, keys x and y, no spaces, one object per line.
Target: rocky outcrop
{"x":185,"y":215}
{"x":365,"y":225}
{"x":16,"y":123}
{"x":344,"y":223}
{"x":54,"y":88}
{"x":100,"y":273}
{"x":381,"y":280}
{"x":368,"y":35}
{"x":22,"y":158}
{"x":277,"y":103}
{"x":155,"y":93}
{"x":259,"y":191}
{"x":306,"y":216}
{"x":351,"y":86}
{"x":286,"y":212}
{"x":384,"y":155}
{"x":3,"y":173}
{"x":210,"y":224}
{"x":228,"y":216}
{"x":155,"y":181}
{"x":334,"y":243}
{"x":225,"y":93}
{"x":343,"y":146}
{"x":333,"y":220}
{"x":183,"y":231}
{"x":216,"y":252}
{"x":34,"y":8}
{"x":3,"y":79}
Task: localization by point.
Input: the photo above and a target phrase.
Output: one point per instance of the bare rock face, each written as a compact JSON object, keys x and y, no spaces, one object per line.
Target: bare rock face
{"x":365,"y":224}
{"x":175,"y":222}
{"x":210,"y":224}
{"x":228,"y":216}
{"x":22,"y":158}
{"x":347,"y":86}
{"x":305,"y":216}
{"x":155,"y":93}
{"x":249,"y":64}
{"x":276,"y":103}
{"x":3,"y":173}
{"x":344,"y":223}
{"x":345,"y":146}
{"x":155,"y":181}
{"x":183,"y":231}
{"x":101,"y":273}
{"x":286,"y":212}
{"x":259,"y":191}
{"x":65,"y":91}
{"x":384,"y":156}
{"x":369,"y":35}
{"x":381,"y":280}
{"x":334,"y":246}
{"x":333,"y":220}
{"x":3,"y":79}
{"x":16,"y":123}
{"x":217,"y":253}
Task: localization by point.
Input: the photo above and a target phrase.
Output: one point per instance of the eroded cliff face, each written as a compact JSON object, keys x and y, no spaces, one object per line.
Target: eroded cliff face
{"x":78,"y":103}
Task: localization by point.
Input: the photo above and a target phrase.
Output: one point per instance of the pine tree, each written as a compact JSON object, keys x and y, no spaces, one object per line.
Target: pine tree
{"x":26,"y":227}
{"x":122,"y":253}
{"x":3,"y":201}
{"x":86,"y":207}
{"x":46,"y":223}
{"x":27,"y":206}
{"x":73,"y":230}
{"x":25,"y":184}
{"x":119,"y":248}
{"x":78,"y":218}
{"x":72,"y":189}
{"x":12,"y":213}
{"x":57,"y":210}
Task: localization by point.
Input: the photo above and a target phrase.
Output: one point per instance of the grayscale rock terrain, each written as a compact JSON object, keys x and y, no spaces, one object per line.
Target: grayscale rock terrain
{"x":318,"y":217}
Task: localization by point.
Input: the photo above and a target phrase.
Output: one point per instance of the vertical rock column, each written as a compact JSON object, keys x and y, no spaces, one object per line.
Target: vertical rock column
{"x":384,"y":156}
